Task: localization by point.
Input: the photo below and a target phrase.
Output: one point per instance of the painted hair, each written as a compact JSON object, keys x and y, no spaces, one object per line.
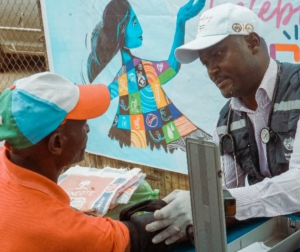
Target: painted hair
{"x":108,"y":36}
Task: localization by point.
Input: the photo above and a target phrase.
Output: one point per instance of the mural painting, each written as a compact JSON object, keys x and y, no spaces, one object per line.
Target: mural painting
{"x":129,"y":46}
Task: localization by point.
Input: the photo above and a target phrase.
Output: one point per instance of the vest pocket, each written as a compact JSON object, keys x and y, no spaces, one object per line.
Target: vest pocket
{"x":284,"y":125}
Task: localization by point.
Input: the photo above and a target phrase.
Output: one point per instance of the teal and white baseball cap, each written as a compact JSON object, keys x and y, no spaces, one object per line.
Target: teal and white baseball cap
{"x":35,"y":106}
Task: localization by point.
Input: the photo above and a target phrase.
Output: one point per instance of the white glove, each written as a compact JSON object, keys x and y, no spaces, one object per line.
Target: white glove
{"x":177,"y":215}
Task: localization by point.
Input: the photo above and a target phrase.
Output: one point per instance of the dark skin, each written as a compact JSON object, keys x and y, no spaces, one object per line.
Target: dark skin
{"x":65,"y":146}
{"x":237,"y":65}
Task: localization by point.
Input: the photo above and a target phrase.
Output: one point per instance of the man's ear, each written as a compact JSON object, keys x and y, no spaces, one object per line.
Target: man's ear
{"x":253,"y":42}
{"x":56,"y":143}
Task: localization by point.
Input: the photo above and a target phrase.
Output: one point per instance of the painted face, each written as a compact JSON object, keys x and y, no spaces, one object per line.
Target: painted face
{"x":76,"y":134}
{"x":133,"y":32}
{"x":231,"y":66}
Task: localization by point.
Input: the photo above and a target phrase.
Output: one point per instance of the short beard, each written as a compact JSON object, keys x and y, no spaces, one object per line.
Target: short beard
{"x":230,"y":93}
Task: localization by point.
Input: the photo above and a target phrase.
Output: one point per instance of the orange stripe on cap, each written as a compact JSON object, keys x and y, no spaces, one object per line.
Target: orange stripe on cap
{"x":94,"y":100}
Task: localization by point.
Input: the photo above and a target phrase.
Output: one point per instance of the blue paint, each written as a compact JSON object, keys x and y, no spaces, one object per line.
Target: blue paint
{"x":133,"y":32}
{"x":287,"y":35}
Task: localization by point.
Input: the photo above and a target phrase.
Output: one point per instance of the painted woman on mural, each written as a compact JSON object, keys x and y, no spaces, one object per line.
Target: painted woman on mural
{"x":145,"y":115}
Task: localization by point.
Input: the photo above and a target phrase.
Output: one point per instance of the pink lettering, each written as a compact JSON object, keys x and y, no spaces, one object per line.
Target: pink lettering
{"x":279,"y":11}
{"x":292,"y":11}
{"x":206,"y":18}
{"x":211,"y":4}
{"x":268,"y":10}
{"x":264,"y":9}
{"x":250,"y":6}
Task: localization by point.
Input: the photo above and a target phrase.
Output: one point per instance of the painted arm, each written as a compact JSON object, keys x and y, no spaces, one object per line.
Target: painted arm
{"x":185,"y":13}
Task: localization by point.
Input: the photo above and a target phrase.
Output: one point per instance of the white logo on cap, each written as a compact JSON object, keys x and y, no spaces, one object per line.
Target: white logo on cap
{"x":249,"y":28}
{"x":1,"y":122}
{"x":242,"y":27}
{"x":237,"y":27}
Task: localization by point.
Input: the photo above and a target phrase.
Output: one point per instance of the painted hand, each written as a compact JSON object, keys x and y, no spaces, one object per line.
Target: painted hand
{"x":190,"y":10}
{"x":175,"y":216}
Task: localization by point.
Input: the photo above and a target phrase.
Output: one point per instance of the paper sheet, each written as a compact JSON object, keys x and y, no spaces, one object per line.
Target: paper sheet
{"x":257,"y":247}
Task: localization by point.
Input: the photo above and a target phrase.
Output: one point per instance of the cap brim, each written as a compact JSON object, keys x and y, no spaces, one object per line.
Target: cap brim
{"x":94,"y":100}
{"x":189,"y":52}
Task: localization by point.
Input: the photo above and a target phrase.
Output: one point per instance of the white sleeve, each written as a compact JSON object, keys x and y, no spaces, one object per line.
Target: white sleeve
{"x":275,"y":196}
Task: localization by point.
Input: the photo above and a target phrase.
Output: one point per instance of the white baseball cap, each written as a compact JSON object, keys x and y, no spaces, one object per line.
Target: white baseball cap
{"x":217,"y":24}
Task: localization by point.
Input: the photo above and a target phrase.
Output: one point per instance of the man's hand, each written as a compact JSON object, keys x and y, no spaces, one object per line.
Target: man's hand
{"x":140,"y":239}
{"x":175,"y":216}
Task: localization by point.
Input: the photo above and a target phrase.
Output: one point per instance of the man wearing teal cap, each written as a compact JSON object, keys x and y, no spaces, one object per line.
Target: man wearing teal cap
{"x":43,"y":121}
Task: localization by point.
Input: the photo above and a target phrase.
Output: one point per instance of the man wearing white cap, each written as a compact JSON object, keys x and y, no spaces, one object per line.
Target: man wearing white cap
{"x":257,"y":128}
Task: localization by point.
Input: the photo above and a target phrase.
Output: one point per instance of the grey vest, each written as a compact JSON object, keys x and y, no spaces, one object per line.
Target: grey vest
{"x":284,"y":117}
